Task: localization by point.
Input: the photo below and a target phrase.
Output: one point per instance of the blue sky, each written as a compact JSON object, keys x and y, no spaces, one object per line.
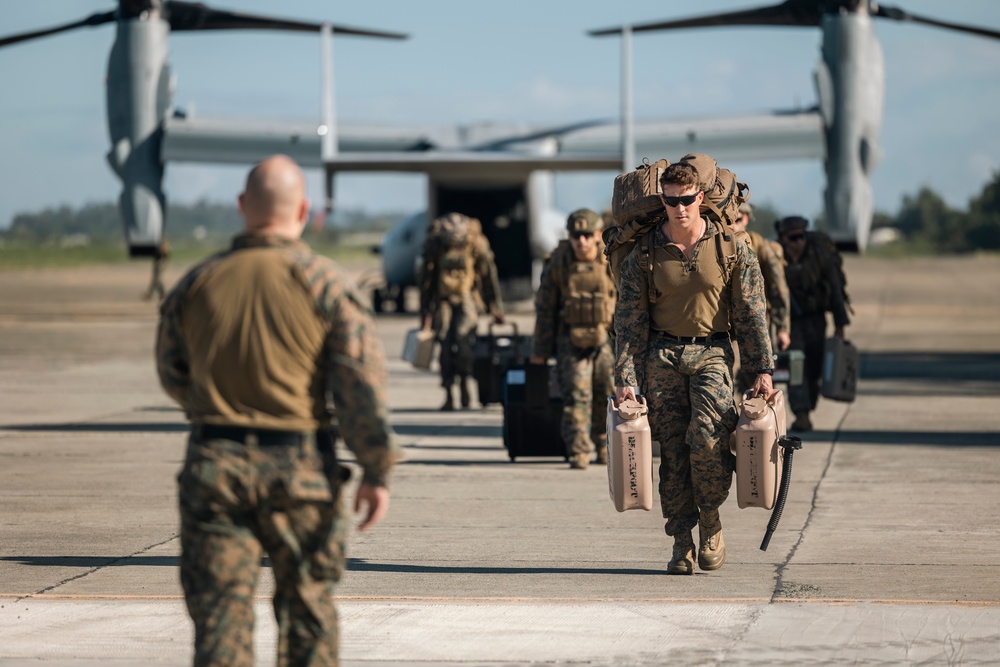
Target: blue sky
{"x":469,"y":61}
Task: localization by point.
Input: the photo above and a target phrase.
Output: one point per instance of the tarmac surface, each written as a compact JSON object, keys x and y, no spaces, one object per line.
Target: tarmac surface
{"x":887,"y":551}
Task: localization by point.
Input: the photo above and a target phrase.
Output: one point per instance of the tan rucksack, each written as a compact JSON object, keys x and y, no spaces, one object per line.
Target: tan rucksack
{"x":723,"y":192}
{"x":638,"y":193}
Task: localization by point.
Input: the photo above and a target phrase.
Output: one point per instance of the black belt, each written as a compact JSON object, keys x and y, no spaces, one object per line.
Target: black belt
{"x":264,"y":437}
{"x":696,"y":340}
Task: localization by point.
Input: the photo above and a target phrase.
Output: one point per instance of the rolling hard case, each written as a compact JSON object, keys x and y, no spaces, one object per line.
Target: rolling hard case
{"x":840,"y":370}
{"x":492,"y":354}
{"x":532,"y":416}
{"x":418,"y":348}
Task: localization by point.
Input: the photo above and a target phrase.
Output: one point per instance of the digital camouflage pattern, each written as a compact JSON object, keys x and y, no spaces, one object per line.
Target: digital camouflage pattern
{"x":689,"y":386}
{"x":295,"y":517}
{"x":585,"y":377}
{"x":352,"y":360}
{"x":689,"y":392}
{"x":454,"y":316}
{"x":772,"y":268}
{"x":241,"y":499}
{"x":585,"y":374}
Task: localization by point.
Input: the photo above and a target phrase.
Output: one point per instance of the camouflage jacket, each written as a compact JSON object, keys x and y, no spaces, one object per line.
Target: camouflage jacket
{"x":551,"y":296}
{"x":747,"y":309}
{"x":772,"y":267}
{"x":223,"y":372}
{"x":486,"y":290}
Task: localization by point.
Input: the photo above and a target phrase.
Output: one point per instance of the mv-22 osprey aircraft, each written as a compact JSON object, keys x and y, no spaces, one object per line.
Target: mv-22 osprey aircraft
{"x":502,"y":175}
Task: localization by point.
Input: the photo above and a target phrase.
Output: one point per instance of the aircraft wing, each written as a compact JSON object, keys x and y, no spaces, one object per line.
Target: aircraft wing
{"x":495,"y":150}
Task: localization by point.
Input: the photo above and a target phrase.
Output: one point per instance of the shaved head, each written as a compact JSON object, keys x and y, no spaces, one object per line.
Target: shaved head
{"x":274,"y":200}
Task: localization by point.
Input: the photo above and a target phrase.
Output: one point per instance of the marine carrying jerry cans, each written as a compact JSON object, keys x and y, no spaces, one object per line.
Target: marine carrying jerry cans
{"x":840,"y":370}
{"x":418,"y":348}
{"x":758,"y":456}
{"x":630,"y":458}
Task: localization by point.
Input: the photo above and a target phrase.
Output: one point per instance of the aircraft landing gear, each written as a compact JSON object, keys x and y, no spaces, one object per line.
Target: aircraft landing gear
{"x":393,"y":294}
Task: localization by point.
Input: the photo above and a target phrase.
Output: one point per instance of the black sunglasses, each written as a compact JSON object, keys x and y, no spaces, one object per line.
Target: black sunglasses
{"x":687,"y":200}
{"x":795,"y":237}
{"x":580,"y":235}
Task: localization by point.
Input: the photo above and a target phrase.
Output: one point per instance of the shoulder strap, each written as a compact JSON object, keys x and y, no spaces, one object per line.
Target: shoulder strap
{"x":725,"y":248}
{"x":646,"y":263}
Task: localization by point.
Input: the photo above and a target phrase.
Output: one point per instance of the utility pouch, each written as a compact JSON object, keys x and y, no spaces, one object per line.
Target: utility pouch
{"x":587,"y":337}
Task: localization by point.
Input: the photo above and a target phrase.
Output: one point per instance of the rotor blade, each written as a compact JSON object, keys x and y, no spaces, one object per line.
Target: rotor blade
{"x":197,"y":16}
{"x":898,"y":14}
{"x":553,"y":132}
{"x":799,"y":13}
{"x":90,"y":21}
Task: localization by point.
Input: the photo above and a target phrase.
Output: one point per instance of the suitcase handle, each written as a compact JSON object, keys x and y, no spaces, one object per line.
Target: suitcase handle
{"x":519,"y":358}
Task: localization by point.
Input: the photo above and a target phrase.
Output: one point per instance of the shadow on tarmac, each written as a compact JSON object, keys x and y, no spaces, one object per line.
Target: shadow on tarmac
{"x":970,"y":373}
{"x":925,"y":438}
{"x":94,"y":561}
{"x":362,"y":565}
{"x":454,"y":431}
{"x":108,"y":427}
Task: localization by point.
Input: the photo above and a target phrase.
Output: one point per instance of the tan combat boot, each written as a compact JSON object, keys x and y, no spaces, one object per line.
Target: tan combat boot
{"x":711,"y":547}
{"x":602,"y":456}
{"x":682,"y":561}
{"x":802,"y":423}
{"x":579,"y":461}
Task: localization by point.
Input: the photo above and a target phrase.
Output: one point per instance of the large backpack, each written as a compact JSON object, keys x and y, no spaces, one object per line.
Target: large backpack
{"x":830,"y":256}
{"x":636,"y":208}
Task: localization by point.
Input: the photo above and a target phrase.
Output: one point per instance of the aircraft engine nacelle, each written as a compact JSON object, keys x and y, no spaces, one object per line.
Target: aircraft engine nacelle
{"x":850,"y":85}
{"x":138,"y":96}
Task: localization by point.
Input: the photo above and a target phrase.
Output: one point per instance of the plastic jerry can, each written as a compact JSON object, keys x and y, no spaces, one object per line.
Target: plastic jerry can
{"x":418,"y":348}
{"x":630,"y":457}
{"x":758,"y":457}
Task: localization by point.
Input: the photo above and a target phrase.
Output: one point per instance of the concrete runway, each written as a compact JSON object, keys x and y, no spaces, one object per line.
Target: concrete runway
{"x":887,"y":552}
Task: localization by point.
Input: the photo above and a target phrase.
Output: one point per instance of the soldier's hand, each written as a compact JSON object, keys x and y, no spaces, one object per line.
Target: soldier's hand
{"x":784,"y":340}
{"x":498,"y":318}
{"x":375,"y":501}
{"x":425,"y":323}
{"x":623,"y":394}
{"x":839,"y":333}
{"x":538,"y":360}
{"x":762,"y":387}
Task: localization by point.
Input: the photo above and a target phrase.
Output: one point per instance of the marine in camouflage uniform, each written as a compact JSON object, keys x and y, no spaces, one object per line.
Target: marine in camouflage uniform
{"x":458,"y":283}
{"x":252,"y":344}
{"x":815,"y":287}
{"x":573,"y":309}
{"x":772,"y":267}
{"x":673,"y":345}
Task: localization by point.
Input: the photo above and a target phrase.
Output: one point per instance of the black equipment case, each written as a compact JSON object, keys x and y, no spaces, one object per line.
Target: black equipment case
{"x":532,"y":412}
{"x":492,"y":354}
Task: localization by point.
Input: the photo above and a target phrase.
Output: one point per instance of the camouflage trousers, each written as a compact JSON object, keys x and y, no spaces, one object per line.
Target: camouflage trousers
{"x":455,"y":325}
{"x":691,"y":414}
{"x":237,"y":502}
{"x":586,"y":378}
{"x":808,"y":335}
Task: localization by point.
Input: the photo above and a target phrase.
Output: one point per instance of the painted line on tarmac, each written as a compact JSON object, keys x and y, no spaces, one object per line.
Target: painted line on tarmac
{"x":536,"y":600}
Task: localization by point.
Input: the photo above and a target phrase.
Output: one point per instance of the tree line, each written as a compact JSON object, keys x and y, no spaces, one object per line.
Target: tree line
{"x":186,"y":223}
{"x":924,"y":222}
